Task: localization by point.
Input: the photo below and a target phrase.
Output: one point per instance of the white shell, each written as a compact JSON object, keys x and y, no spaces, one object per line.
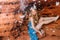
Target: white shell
{"x":39,"y":1}
{"x":34,"y":6}
{"x":57,"y":3}
{"x":22,"y":16}
{"x":34,"y":0}
{"x":45,"y":0}
{"x":0,"y":6}
{"x":53,"y":30}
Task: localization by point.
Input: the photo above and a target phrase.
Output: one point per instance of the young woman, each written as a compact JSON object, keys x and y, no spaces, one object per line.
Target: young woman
{"x":31,"y":30}
{"x":36,"y":24}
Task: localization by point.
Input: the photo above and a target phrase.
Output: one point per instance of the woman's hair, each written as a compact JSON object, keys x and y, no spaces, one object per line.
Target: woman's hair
{"x":29,"y":6}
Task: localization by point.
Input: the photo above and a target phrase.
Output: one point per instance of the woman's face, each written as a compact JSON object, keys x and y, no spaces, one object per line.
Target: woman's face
{"x":33,"y":12}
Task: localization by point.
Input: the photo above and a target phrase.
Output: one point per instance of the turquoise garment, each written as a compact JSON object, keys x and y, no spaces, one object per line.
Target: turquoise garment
{"x":32,"y":32}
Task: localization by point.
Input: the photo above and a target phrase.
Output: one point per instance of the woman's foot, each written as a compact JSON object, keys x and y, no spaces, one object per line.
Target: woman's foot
{"x":56,"y":18}
{"x":41,"y":34}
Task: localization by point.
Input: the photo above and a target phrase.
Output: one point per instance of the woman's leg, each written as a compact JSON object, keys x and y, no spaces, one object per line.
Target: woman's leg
{"x":43,"y":21}
{"x":48,"y":20}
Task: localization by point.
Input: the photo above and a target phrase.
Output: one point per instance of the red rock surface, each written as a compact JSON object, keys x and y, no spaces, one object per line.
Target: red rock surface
{"x":52,"y":30}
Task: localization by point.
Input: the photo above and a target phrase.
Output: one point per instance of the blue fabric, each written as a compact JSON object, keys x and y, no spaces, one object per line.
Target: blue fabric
{"x":32,"y":32}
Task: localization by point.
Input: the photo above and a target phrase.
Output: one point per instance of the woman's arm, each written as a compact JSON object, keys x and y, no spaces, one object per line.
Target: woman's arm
{"x":31,"y":19}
